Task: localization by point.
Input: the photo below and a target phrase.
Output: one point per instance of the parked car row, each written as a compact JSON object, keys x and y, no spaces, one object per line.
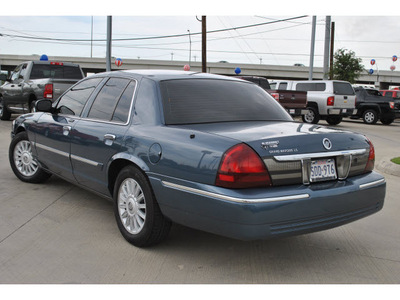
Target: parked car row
{"x":332,"y":100}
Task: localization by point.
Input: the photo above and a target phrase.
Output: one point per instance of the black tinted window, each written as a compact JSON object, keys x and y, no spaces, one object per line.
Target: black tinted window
{"x":193,"y":101}
{"x":312,"y":86}
{"x":55,"y":71}
{"x":121,"y":113}
{"x":343,"y":88}
{"x":104,"y":105}
{"x":283,"y":86}
{"x":74,"y":100}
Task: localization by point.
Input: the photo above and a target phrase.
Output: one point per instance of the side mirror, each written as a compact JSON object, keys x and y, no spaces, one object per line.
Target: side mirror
{"x":44,"y":105}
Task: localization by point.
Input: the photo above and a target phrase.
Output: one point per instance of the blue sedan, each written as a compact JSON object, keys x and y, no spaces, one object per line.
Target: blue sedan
{"x":210,"y":152}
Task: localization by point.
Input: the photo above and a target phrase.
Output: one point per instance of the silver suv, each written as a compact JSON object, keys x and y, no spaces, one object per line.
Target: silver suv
{"x":329,"y":100}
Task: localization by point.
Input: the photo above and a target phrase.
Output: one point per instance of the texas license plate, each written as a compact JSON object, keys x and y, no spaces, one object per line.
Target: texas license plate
{"x":323,"y":169}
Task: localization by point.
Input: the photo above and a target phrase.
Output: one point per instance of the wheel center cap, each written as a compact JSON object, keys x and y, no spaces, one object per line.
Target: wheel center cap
{"x":132,"y":206}
{"x":26,"y":158}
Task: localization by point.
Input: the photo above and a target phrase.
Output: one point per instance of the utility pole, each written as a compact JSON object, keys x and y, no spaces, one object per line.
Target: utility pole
{"x":332,"y":50}
{"x":190,"y":47}
{"x":310,"y":72}
{"x":108,"y":52}
{"x":203,"y":44}
{"x":326,"y":47}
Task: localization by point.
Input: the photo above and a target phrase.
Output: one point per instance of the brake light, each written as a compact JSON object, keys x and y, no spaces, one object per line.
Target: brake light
{"x":330,"y":101}
{"x":371,"y":157}
{"x":391,"y":105}
{"x":276,"y":96}
{"x":48,"y":91}
{"x":57,"y":63}
{"x":241,"y":167}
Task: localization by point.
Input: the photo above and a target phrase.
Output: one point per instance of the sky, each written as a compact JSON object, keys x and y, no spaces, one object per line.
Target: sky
{"x":371,"y":32}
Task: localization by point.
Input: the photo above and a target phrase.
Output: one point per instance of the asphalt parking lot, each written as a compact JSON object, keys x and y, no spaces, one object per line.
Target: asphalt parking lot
{"x":59,"y":233}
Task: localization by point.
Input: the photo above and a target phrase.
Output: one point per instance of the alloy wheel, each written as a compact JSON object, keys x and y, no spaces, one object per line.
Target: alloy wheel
{"x":132,"y":206}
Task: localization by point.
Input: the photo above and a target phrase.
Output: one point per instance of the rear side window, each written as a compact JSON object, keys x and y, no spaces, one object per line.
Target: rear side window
{"x":106,"y":100}
{"x":283,"y":86}
{"x":193,"y":101}
{"x":121,"y":113}
{"x":342,"y":88}
{"x":111,"y":94}
{"x":55,"y":71}
{"x":311,"y":87}
{"x":75,"y":99}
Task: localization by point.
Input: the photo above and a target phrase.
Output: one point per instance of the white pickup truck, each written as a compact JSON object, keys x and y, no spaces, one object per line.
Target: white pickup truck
{"x":34,"y":80}
{"x":329,"y":100}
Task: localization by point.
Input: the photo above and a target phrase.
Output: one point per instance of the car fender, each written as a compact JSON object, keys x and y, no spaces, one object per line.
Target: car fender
{"x":364,"y":106}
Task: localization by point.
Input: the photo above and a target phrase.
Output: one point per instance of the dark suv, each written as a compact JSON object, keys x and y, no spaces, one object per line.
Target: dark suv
{"x":372,"y":106}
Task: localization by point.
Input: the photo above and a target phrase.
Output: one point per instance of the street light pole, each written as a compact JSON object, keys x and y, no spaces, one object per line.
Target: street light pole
{"x":190,"y":47}
{"x":108,"y":52}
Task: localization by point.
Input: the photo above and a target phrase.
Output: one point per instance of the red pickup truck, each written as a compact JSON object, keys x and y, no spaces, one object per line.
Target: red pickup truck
{"x":295,"y":102}
{"x":395,"y":93}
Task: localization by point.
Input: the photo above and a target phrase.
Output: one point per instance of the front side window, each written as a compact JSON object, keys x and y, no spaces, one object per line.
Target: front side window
{"x":15,"y":73}
{"x":193,"y":101}
{"x":75,"y":99}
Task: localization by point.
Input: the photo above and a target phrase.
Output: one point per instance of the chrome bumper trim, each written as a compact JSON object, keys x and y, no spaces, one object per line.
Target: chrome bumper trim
{"x":318,"y":155}
{"x":371,"y":184}
{"x":232,"y":199}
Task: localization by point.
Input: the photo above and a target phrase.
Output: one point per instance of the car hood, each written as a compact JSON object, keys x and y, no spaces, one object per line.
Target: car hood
{"x":285,"y":138}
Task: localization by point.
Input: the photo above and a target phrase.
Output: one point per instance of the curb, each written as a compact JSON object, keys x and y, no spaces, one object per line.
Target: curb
{"x":388,"y":167}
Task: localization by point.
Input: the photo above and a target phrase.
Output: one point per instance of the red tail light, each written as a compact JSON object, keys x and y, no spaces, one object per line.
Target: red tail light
{"x":391,"y":105}
{"x":330,"y":101}
{"x":371,"y":157}
{"x":48,"y":91}
{"x":241,"y":167}
{"x":276,"y":96}
{"x":57,"y":63}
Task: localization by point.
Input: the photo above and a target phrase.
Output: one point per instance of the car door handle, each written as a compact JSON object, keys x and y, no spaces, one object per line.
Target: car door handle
{"x":109,"y":139}
{"x":66,"y":130}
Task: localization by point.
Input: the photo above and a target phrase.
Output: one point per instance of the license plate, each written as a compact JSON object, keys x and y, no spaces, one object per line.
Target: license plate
{"x":322,"y":169}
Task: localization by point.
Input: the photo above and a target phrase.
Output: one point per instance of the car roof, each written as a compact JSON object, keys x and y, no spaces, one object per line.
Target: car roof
{"x":159,"y":75}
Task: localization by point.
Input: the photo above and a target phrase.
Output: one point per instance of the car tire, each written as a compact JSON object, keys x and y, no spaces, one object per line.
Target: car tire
{"x":5,"y":115}
{"x":387,"y":121}
{"x":32,"y":107}
{"x":312,"y":116}
{"x":334,"y":120}
{"x":136,"y":210}
{"x":370,"y":116}
{"x":22,"y":162}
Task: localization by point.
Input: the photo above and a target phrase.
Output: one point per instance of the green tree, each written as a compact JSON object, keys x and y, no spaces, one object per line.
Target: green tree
{"x":346,"y":66}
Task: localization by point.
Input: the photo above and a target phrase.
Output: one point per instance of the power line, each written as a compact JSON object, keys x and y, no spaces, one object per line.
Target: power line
{"x":150,"y":38}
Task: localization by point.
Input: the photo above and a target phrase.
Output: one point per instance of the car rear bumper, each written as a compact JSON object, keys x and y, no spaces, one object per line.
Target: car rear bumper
{"x":344,"y":112}
{"x":266,"y":213}
{"x":295,"y":112}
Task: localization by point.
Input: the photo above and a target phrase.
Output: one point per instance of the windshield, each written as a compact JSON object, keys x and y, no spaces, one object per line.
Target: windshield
{"x":193,"y":101}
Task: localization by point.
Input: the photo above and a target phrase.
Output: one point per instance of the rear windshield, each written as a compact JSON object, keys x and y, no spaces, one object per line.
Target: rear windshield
{"x":193,"y":101}
{"x":55,"y":71}
{"x":342,"y":88}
